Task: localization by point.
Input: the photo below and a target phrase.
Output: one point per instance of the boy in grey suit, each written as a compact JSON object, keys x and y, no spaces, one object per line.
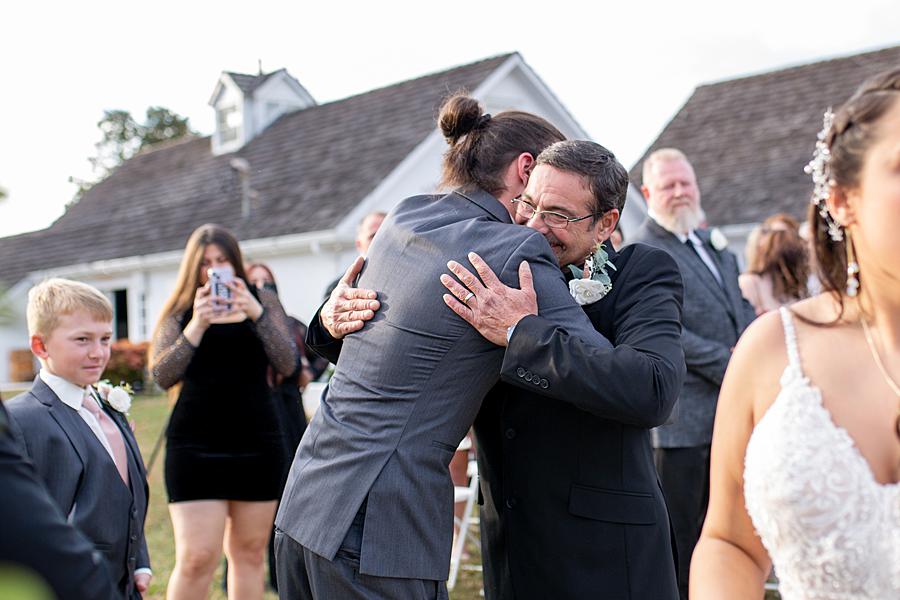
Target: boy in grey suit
{"x":715,"y":314}
{"x":81,"y":447}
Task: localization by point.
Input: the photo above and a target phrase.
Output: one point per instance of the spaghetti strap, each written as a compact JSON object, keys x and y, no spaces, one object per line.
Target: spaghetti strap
{"x":790,"y":340}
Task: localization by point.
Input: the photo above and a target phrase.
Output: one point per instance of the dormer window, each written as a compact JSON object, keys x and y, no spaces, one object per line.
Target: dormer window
{"x":228,"y":122}
{"x":246,"y":104}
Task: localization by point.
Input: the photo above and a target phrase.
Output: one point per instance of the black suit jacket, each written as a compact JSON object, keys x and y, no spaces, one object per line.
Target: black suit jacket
{"x":572,"y":507}
{"x":36,"y":536}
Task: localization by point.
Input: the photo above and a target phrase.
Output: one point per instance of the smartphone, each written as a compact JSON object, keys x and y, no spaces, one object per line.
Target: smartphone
{"x":218,"y":277}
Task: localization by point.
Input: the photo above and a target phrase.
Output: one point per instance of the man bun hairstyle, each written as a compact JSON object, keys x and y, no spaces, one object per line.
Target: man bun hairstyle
{"x":482,"y":146}
{"x":459,"y":115}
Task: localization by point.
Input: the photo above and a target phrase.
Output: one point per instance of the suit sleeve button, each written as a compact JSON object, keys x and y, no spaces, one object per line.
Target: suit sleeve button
{"x":520,"y":372}
{"x":511,"y":502}
{"x":545,"y":384}
{"x":510,"y":433}
{"x":528,"y":376}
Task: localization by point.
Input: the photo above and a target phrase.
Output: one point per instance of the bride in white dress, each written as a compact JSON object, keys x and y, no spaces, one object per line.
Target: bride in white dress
{"x":806,"y":447}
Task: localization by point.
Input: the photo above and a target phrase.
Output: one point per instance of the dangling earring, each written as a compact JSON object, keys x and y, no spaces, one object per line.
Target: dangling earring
{"x":852,"y":266}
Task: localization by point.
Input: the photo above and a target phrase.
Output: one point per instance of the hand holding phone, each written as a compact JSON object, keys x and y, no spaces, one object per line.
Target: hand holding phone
{"x":219,"y":278}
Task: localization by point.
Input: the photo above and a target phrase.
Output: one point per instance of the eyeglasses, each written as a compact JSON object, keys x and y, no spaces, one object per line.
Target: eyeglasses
{"x":552,"y":219}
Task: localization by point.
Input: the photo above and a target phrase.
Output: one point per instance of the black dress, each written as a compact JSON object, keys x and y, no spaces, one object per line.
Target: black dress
{"x":224,"y":440}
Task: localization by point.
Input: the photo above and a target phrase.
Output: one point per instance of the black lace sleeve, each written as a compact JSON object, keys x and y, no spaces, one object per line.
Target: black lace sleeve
{"x":273,"y":328}
{"x":171,"y":353}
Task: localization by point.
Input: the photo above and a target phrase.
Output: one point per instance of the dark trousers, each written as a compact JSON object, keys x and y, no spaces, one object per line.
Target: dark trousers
{"x":684,"y":475}
{"x":304,"y":575}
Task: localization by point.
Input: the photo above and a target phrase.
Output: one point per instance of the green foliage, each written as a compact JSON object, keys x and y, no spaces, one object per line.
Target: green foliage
{"x":3,"y":193}
{"x":123,"y":137}
{"x":161,"y":125}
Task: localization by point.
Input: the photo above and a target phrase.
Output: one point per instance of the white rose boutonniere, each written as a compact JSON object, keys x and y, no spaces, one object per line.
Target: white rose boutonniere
{"x":718,"y":239}
{"x":598,"y":283}
{"x":587,"y":291}
{"x":119,"y":396}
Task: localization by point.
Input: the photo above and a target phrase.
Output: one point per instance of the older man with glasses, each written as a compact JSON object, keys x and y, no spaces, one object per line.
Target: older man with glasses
{"x":572,"y":506}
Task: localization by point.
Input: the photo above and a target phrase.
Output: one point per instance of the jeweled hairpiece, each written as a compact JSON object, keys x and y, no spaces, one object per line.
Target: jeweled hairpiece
{"x":820,"y":169}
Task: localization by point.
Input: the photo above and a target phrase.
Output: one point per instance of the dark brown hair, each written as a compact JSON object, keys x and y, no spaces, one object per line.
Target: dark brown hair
{"x":604,"y":176}
{"x":189,"y":272}
{"x":853,"y":131}
{"x":780,"y":253}
{"x":482,"y":146}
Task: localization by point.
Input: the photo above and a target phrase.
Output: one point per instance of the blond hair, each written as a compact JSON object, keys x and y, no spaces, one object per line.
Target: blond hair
{"x":54,"y":298}
{"x":660,"y":156}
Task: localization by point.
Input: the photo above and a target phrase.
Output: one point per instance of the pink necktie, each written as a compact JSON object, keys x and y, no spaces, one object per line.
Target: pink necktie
{"x":113,"y":435}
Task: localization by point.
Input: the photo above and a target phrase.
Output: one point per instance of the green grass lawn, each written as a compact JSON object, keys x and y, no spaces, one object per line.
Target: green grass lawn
{"x":149,"y":414}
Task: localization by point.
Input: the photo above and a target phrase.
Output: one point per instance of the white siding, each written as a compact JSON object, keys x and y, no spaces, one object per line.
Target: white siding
{"x":272,"y":99}
{"x":229,"y":95}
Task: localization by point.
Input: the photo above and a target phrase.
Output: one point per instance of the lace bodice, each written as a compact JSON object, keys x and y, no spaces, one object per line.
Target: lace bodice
{"x":832,"y":531}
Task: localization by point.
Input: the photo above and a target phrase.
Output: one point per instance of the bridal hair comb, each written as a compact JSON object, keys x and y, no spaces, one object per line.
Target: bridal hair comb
{"x":820,"y":169}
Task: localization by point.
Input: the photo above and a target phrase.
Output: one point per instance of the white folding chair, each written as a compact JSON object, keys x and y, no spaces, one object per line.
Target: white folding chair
{"x":466,"y":494}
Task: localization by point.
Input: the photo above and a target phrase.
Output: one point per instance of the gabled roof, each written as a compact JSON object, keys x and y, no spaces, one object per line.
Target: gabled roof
{"x":309,"y":169}
{"x":749,"y":139}
{"x":248,"y":83}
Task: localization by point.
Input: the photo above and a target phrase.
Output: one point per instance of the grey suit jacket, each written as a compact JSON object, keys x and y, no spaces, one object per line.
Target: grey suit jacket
{"x":36,"y":535}
{"x":407,"y":388}
{"x":714,"y":318}
{"x":83,"y":480}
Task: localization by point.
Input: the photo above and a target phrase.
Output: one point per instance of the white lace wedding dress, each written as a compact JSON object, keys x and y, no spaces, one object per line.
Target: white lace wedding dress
{"x":832,"y":531}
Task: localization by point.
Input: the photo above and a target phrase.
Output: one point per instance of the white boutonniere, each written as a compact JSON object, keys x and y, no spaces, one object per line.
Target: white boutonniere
{"x":718,"y":239}
{"x":117,"y":396}
{"x":587,"y":291}
{"x":598,"y":283}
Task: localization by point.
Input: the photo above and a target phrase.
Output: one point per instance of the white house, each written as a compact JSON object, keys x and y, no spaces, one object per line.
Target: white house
{"x":292,"y":178}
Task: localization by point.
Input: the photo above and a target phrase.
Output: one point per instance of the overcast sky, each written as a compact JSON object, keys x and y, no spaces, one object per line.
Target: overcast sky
{"x":622,"y":68}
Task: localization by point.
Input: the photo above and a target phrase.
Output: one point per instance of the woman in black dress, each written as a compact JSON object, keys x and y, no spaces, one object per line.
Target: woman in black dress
{"x":224,"y":457}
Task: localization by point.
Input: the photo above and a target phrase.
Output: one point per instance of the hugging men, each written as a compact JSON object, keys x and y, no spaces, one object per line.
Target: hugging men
{"x":573,"y":507}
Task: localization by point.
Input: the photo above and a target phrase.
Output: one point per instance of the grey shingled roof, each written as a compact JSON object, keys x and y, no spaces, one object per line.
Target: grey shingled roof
{"x":310,"y":168}
{"x":248,"y":83}
{"x":749,"y":139}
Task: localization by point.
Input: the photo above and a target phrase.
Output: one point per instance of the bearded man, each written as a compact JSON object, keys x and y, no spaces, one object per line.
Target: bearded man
{"x":715,"y":314}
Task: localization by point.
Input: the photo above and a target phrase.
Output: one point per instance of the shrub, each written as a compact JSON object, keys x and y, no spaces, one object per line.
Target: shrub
{"x":127,"y":363}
